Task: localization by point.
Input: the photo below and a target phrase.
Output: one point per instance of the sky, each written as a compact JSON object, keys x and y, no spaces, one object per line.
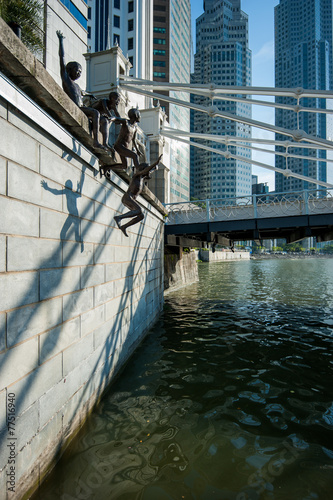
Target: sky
{"x":261,"y":42}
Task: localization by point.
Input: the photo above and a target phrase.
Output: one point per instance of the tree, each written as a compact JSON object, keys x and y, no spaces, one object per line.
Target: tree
{"x":29,"y":15}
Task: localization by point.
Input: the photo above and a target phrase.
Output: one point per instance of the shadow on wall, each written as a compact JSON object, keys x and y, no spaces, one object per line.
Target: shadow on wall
{"x":71,"y":201}
{"x":116,"y":337}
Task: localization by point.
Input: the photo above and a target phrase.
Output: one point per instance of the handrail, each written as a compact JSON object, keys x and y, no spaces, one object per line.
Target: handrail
{"x":305,"y":202}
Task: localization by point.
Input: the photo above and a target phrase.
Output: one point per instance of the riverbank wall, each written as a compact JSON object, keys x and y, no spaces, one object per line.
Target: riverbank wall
{"x":291,"y":255}
{"x":222,"y":255}
{"x":76,"y":295}
{"x":180,"y":270}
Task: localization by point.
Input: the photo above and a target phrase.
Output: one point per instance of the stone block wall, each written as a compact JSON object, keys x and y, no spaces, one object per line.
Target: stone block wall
{"x":76,"y":295}
{"x":223,"y":255}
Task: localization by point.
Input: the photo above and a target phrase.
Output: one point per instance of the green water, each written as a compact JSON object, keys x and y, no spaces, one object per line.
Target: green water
{"x":229,"y":397}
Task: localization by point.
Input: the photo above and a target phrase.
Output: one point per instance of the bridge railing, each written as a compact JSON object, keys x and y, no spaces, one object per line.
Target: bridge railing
{"x":257,"y":206}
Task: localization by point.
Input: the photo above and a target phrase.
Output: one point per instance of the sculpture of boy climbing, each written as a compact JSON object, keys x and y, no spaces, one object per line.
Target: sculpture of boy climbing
{"x":127,"y":135}
{"x":108,"y":113}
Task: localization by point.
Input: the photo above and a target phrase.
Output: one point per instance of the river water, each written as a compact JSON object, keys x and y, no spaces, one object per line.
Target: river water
{"x":228,"y":398}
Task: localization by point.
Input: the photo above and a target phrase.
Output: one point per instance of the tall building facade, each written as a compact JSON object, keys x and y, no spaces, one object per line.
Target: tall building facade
{"x":303,"y":58}
{"x":128,"y":24}
{"x":172,"y":63}
{"x":222,"y":57}
{"x":71,"y":19}
{"x":155,"y":35}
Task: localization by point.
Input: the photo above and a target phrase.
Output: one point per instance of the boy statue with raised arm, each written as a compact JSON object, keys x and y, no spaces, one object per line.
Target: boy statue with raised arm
{"x":69,"y":73}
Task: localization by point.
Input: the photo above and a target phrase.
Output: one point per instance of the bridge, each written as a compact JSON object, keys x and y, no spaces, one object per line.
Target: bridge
{"x":292,"y":215}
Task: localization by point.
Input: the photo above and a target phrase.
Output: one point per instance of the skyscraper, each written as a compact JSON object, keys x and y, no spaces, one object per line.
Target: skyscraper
{"x":172,"y":63}
{"x":155,"y":35}
{"x":222,"y":57}
{"x":126,"y":23}
{"x":71,"y":19}
{"x":303,"y":58}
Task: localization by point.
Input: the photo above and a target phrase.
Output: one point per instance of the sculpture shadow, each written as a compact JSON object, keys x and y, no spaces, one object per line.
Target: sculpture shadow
{"x":113,"y":346}
{"x":73,"y":218}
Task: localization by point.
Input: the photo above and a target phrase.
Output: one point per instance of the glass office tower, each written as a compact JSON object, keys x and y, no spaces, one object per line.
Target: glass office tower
{"x":303,"y":58}
{"x":222,"y":57}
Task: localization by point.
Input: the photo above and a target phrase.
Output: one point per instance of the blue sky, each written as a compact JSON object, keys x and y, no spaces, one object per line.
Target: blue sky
{"x":261,"y":42}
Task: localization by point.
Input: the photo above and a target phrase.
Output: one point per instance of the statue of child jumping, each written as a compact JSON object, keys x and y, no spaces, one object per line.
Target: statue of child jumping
{"x":134,"y":189}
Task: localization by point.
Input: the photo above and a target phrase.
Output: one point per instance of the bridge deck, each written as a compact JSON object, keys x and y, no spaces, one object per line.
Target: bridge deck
{"x":290,"y":215}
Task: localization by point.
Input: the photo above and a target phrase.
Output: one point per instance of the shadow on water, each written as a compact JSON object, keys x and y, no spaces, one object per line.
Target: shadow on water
{"x":229,"y":397}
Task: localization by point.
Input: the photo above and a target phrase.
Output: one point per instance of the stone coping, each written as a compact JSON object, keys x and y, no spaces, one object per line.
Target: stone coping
{"x":29,"y":74}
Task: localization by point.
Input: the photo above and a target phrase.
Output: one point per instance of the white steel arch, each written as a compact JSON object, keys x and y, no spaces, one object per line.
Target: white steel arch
{"x":299,"y":138}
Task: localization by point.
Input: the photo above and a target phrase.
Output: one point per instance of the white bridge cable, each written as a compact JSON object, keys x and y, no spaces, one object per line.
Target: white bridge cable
{"x":241,"y":143}
{"x":228,"y":154}
{"x":212,"y":88}
{"x":229,"y":139}
{"x":277,"y":105}
{"x":213,"y":111}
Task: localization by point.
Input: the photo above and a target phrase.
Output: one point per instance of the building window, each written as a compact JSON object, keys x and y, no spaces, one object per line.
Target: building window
{"x":157,"y":74}
{"x":116,"y":39}
{"x":159,"y":19}
{"x":131,"y":60}
{"x":89,"y":12}
{"x":130,"y":44}
{"x":130,"y":25}
{"x":116,"y":21}
{"x":130,"y":7}
{"x":159,"y":63}
{"x":75,"y":12}
{"x":89,"y":31}
{"x":159,"y":41}
{"x":161,"y":8}
{"x":159,"y":52}
{"x":116,"y":4}
{"x":159,"y":30}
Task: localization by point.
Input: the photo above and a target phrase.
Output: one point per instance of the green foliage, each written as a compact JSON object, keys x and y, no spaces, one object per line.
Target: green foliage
{"x":198,"y":203}
{"x":29,"y":15}
{"x":277,"y":249}
{"x":256,"y":248}
{"x":293,"y":247}
{"x":328,"y":249}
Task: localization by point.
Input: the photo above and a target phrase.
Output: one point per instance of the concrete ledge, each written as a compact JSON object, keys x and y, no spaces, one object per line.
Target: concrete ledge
{"x":22,"y":68}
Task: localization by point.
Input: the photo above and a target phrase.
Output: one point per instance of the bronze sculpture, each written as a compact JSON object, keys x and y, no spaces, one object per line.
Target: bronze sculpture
{"x":142,"y":172}
{"x":69,"y":73}
{"x":127,"y":135}
{"x":108,"y":111}
{"x":125,"y":140}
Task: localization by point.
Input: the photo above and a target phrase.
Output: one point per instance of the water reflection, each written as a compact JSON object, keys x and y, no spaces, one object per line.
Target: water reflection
{"x":229,"y":397}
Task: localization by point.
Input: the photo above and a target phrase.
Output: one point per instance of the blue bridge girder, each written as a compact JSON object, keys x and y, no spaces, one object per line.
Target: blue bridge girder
{"x":292,"y":216}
